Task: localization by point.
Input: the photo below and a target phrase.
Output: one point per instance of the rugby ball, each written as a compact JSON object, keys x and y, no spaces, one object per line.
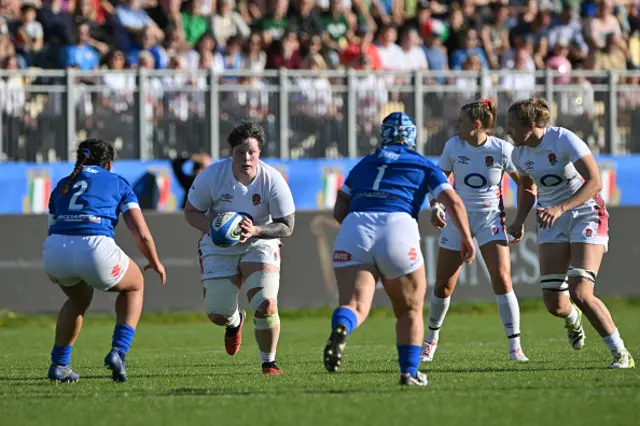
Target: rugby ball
{"x":225,"y":229}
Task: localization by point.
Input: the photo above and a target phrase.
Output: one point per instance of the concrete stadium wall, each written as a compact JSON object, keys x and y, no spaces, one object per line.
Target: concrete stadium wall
{"x":307,"y":276}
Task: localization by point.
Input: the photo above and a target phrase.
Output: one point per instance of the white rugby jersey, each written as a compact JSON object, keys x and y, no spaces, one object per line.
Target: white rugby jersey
{"x":215,"y":190}
{"x":478,"y":170}
{"x":550,"y":165}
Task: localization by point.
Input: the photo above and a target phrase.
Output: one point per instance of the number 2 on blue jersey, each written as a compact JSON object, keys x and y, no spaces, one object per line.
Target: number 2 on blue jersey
{"x":82,"y":185}
{"x":379,"y":176}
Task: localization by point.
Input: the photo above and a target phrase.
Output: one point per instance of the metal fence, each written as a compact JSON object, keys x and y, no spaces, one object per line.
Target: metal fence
{"x":160,"y":114}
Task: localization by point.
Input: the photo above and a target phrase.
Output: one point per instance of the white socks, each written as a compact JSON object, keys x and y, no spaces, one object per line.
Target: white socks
{"x":234,"y":321}
{"x":614,"y":341}
{"x":267,"y":357}
{"x":437,"y":311}
{"x":510,"y":314}
{"x":573,"y":316}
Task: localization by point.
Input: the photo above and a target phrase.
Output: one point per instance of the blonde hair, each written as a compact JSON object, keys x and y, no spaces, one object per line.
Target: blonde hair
{"x":485,"y":111}
{"x":536,"y":111}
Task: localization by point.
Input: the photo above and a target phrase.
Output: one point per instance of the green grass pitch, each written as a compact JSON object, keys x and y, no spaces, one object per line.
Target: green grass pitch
{"x":180,"y":375}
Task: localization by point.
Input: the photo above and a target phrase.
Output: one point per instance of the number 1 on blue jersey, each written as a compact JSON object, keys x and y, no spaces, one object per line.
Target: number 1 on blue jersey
{"x":381,"y":170}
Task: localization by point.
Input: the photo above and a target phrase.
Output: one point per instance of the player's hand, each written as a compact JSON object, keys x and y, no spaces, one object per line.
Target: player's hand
{"x":468,"y":250}
{"x":547,"y":216}
{"x":516,"y":232}
{"x":159,"y":268}
{"x":248,"y":230}
{"x":438,"y":218}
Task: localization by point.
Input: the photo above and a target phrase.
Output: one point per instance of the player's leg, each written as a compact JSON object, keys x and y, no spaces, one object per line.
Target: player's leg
{"x":447,"y":271}
{"x":68,"y":327}
{"x":407,"y":294}
{"x":497,"y":258}
{"x":356,"y":288}
{"x":128,"y":307}
{"x":399,"y":259}
{"x":554,"y":261}
{"x":262,"y":282}
{"x":585,"y":263}
{"x":221,"y":282}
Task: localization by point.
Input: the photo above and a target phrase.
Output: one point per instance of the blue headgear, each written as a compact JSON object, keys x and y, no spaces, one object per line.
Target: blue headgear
{"x":398,"y":127}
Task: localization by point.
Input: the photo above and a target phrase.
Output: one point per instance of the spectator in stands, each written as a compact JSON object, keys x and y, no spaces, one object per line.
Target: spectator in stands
{"x":12,"y":95}
{"x":457,"y":31}
{"x":414,"y":57}
{"x":286,"y":54}
{"x":206,"y":43}
{"x":568,"y":28}
{"x":495,"y":35}
{"x":193,"y":23}
{"x":80,"y":55}
{"x":391,"y":55}
{"x":165,"y":13}
{"x":306,"y":18}
{"x":57,"y":26}
{"x":519,"y":43}
{"x":337,"y":30}
{"x":120,"y":88}
{"x":559,"y":61}
{"x":255,"y":59}
{"x":602,"y":25}
{"x":470,"y":48}
{"x":468,"y":87}
{"x":611,"y":57}
{"x":436,"y":55}
{"x":98,"y":38}
{"x":361,"y":44}
{"x":521,"y":85}
{"x":174,"y":41}
{"x":228,"y":23}
{"x":147,"y":42}
{"x":274,"y":24}
{"x":30,"y":35}
{"x":133,"y":22}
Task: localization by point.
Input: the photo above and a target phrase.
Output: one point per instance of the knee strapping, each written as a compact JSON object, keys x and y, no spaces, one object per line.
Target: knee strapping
{"x":267,"y":284}
{"x":270,"y":321}
{"x":555,"y":282}
{"x":221,"y":297}
{"x":582,"y":273}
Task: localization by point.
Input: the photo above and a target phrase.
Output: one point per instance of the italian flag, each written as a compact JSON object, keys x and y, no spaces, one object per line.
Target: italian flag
{"x":164,"y":191}
{"x":331,"y":183}
{"x":39,"y":192}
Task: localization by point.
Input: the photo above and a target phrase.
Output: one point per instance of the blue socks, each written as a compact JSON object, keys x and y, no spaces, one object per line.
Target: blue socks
{"x":61,"y":355}
{"x":346,"y":317}
{"x":122,"y":338}
{"x":409,"y":359}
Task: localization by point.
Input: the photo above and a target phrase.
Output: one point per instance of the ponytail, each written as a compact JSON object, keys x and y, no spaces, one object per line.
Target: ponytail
{"x":84,"y":155}
{"x":485,"y":111}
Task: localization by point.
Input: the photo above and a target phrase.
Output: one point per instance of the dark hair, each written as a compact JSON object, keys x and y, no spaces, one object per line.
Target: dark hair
{"x":91,"y":152}
{"x":244,"y":131}
{"x":484,"y":110}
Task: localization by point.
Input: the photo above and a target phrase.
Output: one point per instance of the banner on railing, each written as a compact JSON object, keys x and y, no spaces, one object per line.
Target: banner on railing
{"x":314,"y":183}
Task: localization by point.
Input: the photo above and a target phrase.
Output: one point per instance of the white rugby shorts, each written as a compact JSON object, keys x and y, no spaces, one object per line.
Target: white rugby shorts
{"x":96,"y":260}
{"x":484,"y":226}
{"x":219,"y":265}
{"x":588,"y":224}
{"x":389,"y":241}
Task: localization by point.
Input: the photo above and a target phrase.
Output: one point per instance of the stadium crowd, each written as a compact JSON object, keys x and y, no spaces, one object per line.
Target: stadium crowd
{"x":258,"y":35}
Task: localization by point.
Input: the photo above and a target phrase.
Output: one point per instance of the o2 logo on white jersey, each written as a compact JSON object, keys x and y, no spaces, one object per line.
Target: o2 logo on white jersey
{"x":551,"y":180}
{"x":475,"y":180}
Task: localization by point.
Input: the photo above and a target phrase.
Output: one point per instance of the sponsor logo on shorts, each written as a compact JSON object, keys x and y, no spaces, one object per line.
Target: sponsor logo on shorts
{"x":588,"y":232}
{"x":552,"y":159}
{"x":256,"y":199}
{"x":341,"y":256}
{"x":413,"y":254}
{"x":463,"y":160}
{"x":116,"y":271}
{"x":488,"y":161}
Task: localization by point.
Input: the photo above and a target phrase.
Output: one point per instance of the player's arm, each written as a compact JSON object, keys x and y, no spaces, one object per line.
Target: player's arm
{"x":341,"y":208}
{"x":280,"y":227}
{"x":588,"y":169}
{"x":526,"y":200}
{"x":199,"y":200}
{"x":282,"y":210}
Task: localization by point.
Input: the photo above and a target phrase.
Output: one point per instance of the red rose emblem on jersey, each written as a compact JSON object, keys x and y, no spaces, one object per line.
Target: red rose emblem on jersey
{"x":488,"y":161}
{"x":256,"y":199}
{"x":495,"y":230}
{"x":588,"y":233}
{"x":552,"y":159}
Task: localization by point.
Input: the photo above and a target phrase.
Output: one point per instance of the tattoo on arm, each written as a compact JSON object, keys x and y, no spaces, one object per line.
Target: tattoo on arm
{"x":280,"y":228}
